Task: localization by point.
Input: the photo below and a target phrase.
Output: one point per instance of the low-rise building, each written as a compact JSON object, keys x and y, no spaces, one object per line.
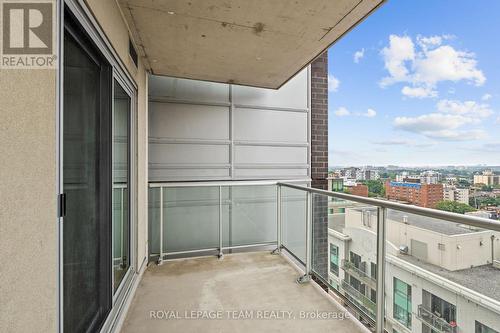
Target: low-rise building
{"x":452,"y":193}
{"x":424,"y":195}
{"x":487,"y":178}
{"x":440,"y":276}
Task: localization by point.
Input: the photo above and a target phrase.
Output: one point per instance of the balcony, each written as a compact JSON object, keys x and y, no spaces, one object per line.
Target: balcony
{"x":229,"y":255}
{"x":435,"y":322}
{"x":359,"y":274}
{"x":366,"y":304}
{"x":251,"y":292}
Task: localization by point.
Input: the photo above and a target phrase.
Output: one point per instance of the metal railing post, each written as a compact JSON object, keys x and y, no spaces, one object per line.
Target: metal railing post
{"x":381,"y":240}
{"x":160,"y":259}
{"x":278,"y":221}
{"x":307,"y":276}
{"x":220,"y":255}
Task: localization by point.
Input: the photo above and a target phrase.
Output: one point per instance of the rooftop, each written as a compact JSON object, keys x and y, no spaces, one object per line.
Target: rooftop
{"x":439,"y":226}
{"x":254,"y":282}
{"x":482,"y":279}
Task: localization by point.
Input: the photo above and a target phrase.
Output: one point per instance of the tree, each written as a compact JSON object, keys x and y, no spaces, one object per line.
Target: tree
{"x":376,"y":188}
{"x":455,"y":207}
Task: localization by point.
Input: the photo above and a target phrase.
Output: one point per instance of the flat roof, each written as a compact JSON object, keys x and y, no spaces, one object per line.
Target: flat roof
{"x":483,"y":279}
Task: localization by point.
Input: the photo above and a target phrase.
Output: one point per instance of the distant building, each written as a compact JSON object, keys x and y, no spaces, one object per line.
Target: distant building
{"x":335,"y":184}
{"x":451,"y":193}
{"x":486,"y":214}
{"x":424,"y":195}
{"x":487,"y":178}
{"x":440,"y":277}
{"x":430,"y":177}
{"x":359,"y":190}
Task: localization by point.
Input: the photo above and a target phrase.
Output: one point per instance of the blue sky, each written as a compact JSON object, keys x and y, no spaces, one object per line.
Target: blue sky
{"x":417,"y":84}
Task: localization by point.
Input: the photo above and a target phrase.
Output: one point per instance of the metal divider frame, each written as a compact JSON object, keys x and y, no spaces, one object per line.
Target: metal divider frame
{"x":279,"y":222}
{"x":307,"y":276}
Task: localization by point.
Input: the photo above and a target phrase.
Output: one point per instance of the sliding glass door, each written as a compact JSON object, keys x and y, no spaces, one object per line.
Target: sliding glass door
{"x":87,"y":295}
{"x":121,"y":184}
{"x":96,"y":168}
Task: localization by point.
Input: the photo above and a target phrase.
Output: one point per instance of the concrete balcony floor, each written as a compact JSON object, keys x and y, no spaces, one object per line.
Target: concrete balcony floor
{"x":254,"y":282}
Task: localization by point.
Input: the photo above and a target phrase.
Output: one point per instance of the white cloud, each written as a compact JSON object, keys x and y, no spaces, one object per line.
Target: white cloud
{"x":418,"y":92}
{"x":440,"y":126}
{"x":370,"y":113}
{"x":486,"y":97}
{"x":404,"y":142}
{"x":430,"y":41}
{"x":449,"y":135}
{"x":400,"y":51}
{"x":431,"y":122}
{"x":393,"y":142}
{"x":469,"y":108}
{"x":333,"y":83}
{"x":425,"y":64}
{"x":358,"y":55}
{"x":342,"y":112}
{"x":447,"y":64}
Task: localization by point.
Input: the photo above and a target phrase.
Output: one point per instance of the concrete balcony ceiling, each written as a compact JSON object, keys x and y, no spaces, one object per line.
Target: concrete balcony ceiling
{"x":258,"y":43}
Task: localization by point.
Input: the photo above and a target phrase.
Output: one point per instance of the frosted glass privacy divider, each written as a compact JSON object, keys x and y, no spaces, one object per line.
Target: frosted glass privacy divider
{"x":252,"y":215}
{"x":154,"y":220}
{"x":293,"y":217}
{"x":190,"y":218}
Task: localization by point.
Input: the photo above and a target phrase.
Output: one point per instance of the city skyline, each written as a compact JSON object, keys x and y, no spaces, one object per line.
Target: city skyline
{"x":412,"y":94}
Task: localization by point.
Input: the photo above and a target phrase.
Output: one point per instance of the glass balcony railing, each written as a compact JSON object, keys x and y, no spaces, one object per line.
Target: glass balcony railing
{"x":393,"y":256}
{"x":186,"y":219}
{"x":351,"y":269}
{"x":435,"y":322}
{"x":366,"y":304}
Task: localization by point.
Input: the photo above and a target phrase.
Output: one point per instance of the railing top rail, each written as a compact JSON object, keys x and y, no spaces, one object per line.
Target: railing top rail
{"x":428,"y":212}
{"x":226,"y":183}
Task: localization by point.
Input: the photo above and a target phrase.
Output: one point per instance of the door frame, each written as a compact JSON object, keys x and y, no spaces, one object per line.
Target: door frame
{"x":84,"y":18}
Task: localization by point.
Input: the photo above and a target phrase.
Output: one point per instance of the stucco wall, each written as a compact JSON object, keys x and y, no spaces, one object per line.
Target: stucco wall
{"x":28,"y":224}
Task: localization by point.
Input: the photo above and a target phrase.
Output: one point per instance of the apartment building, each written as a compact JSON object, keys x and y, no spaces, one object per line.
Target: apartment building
{"x":452,"y":193}
{"x":423,"y":195}
{"x":487,"y":178}
{"x":440,"y":276}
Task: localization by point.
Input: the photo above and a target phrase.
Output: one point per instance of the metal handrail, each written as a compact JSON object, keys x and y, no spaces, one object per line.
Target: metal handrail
{"x":474,"y":221}
{"x":231,"y":183}
{"x":437,"y":323}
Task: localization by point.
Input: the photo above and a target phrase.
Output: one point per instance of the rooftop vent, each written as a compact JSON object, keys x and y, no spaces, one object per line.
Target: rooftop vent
{"x":403,"y":249}
{"x":405,"y":219}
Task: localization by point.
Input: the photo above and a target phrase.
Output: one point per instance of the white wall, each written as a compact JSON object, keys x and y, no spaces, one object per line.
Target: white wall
{"x":211,"y":131}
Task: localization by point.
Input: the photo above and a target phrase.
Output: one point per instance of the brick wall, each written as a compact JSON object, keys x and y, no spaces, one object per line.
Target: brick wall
{"x":319,"y":121}
{"x":319,"y":162}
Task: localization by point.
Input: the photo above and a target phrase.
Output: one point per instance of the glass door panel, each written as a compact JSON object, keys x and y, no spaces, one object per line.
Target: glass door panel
{"x":121,"y":184}
{"x":86,"y":184}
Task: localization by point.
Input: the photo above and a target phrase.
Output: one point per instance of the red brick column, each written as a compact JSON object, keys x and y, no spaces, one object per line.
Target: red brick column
{"x":319,"y":121}
{"x":319,"y":162}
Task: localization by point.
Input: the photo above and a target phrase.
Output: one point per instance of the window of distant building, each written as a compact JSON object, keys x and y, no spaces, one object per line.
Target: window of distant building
{"x":402,"y":302}
{"x":334,"y":259}
{"x":373,"y":270}
{"x":481,"y":328}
